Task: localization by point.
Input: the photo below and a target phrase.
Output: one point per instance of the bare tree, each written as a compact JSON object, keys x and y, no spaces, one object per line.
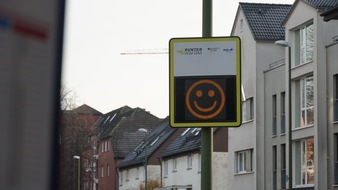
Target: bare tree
{"x":75,"y":131}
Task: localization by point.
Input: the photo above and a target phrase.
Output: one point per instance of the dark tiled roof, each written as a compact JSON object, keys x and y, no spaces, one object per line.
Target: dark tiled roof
{"x":322,"y":4}
{"x":155,"y":139}
{"x":122,"y":126}
{"x":265,"y":20}
{"x":331,"y":14}
{"x":189,"y":140}
{"x":109,"y":120}
{"x":85,"y":109}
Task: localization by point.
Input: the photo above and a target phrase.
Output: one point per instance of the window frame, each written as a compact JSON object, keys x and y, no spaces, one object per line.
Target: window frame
{"x":302,"y":86}
{"x":108,"y":172}
{"x":305,"y":44}
{"x":283,"y":165}
{"x":137,"y":173}
{"x":274,"y":166}
{"x":102,"y":171}
{"x":248,"y":109}
{"x":282,"y":112}
{"x":127,"y":175}
{"x":335,"y":181}
{"x":274,"y":115}
{"x":335,"y":98}
{"x":189,"y":161}
{"x":303,"y":171}
{"x":243,"y":160}
{"x":175,"y":165}
{"x":121,"y":178}
{"x":165,"y":168}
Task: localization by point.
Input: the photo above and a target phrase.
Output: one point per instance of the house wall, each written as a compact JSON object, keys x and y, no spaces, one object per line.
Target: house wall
{"x":185,"y":176}
{"x":136,"y":176}
{"x":106,"y":158}
{"x":323,"y":33}
{"x":332,"y":68}
{"x":274,"y":84}
{"x":267,"y":54}
{"x":257,"y":56}
{"x":247,"y":131}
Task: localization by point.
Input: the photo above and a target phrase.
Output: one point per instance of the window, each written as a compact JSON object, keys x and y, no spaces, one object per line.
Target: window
{"x":241,"y":25}
{"x":137,"y":174}
{"x":304,"y":38}
{"x":335,"y":97}
{"x":274,"y":166}
{"x":282,"y":107}
{"x":244,"y":161}
{"x":174,"y":164}
{"x":108,"y":172}
{"x":165,"y":168}
{"x":274,"y":115}
{"x":154,"y":141}
{"x":127,"y":175}
{"x":189,"y":161}
{"x":304,"y":91}
{"x":102,"y":147}
{"x":336,"y":158}
{"x":283,"y":166}
{"x":247,"y":107}
{"x":199,"y":162}
{"x":121,"y":178}
{"x":102,"y":171}
{"x":304,"y":162}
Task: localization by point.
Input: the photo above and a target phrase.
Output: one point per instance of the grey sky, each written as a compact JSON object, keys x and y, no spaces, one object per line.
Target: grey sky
{"x":98,"y":31}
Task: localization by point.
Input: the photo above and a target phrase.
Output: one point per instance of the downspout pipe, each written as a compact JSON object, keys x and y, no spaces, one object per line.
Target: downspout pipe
{"x":160,"y":161}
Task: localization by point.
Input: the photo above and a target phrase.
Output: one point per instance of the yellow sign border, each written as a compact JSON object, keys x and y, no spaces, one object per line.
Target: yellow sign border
{"x":238,"y":121}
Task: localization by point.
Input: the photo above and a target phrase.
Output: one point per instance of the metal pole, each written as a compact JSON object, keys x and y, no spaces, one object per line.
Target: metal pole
{"x":78,"y":171}
{"x":207,"y":133}
{"x":206,"y":151}
{"x":78,"y":174}
{"x":146,"y":164}
{"x":290,"y":122}
{"x":207,"y":18}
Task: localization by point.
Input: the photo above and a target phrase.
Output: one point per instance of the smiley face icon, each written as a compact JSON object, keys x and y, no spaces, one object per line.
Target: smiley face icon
{"x":205,"y":99}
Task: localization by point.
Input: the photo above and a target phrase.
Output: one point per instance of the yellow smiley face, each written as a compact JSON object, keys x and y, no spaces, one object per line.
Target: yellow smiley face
{"x":205,"y":99}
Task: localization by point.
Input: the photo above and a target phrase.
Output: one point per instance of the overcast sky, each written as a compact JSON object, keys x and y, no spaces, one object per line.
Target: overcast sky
{"x":98,"y":31}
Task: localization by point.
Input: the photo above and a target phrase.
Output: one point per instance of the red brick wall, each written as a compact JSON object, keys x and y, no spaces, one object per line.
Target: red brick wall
{"x":106,"y":158}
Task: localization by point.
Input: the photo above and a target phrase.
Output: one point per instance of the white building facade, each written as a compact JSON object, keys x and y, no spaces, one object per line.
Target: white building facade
{"x":264,"y":138}
{"x":247,"y":160}
{"x":184,"y":172}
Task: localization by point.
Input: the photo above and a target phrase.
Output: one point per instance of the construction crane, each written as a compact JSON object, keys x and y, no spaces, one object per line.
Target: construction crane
{"x":145,"y":51}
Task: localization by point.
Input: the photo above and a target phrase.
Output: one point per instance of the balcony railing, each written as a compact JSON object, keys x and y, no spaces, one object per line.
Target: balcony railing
{"x":274,"y":125}
{"x":282,"y":124}
{"x":335,"y":117}
{"x":283,"y":179}
{"x":336,"y":173}
{"x":274,"y":180}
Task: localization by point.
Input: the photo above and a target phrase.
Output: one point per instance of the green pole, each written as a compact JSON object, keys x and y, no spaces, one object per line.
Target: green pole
{"x":146,"y":164}
{"x":78,"y":174}
{"x":207,"y":18}
{"x":207,"y":133}
{"x":206,"y":151}
{"x":290,"y":123}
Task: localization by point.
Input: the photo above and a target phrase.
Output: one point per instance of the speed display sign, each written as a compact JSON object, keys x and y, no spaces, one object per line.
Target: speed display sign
{"x":205,"y":82}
